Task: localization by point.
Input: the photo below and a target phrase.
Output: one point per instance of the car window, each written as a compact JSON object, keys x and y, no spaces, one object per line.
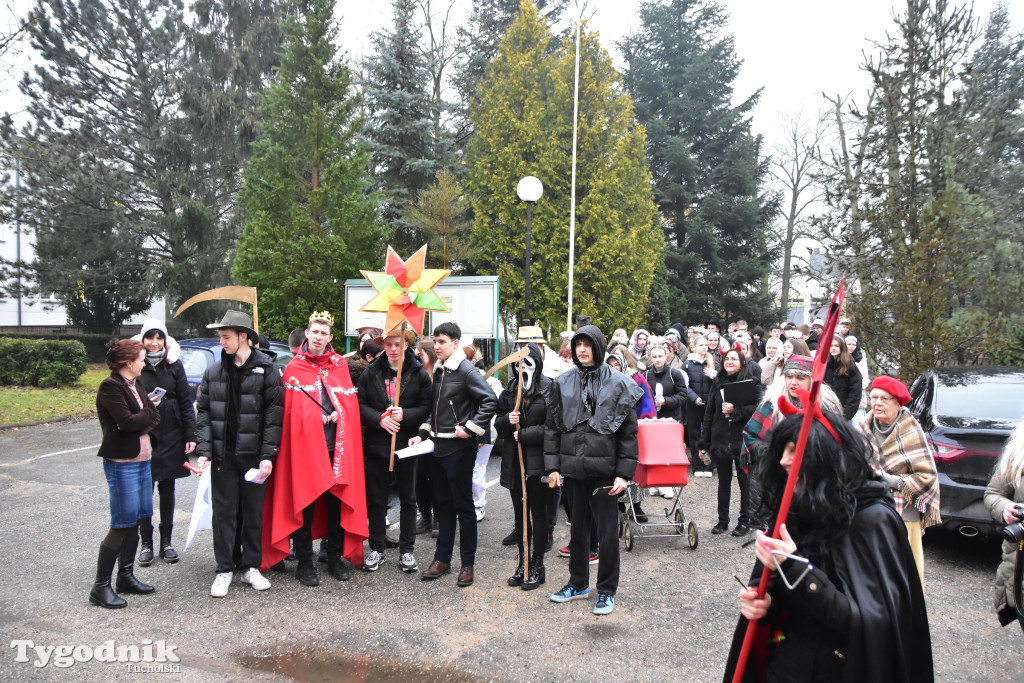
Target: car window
{"x":980,"y":397}
{"x":283,"y":357}
{"x":195,"y":360}
{"x":919,"y":395}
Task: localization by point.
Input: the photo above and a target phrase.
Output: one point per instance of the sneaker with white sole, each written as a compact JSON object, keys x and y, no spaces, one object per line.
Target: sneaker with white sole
{"x":605,"y":604}
{"x":569,"y":593}
{"x":480,"y":514}
{"x":408,"y":563}
{"x":253,"y":577}
{"x":220,"y":584}
{"x":373,"y":560}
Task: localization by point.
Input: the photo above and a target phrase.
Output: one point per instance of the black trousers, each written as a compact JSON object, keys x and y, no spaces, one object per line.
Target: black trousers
{"x":452,"y":478}
{"x":237,"y":505}
{"x":723,"y":463}
{"x":536,"y":508}
{"x":567,"y":493}
{"x":600,"y":512}
{"x":375,"y":466}
{"x":424,"y":487}
{"x":302,"y":538}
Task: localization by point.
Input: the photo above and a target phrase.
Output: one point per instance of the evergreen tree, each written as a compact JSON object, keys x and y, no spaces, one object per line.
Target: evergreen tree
{"x":524,"y":127}
{"x":709,"y":173}
{"x":480,"y":37}
{"x":440,"y":214}
{"x":915,"y":300}
{"x":100,"y":142}
{"x":309,"y":222}
{"x":400,"y":125}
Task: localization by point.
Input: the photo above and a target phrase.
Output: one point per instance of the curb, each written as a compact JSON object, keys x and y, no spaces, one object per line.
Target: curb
{"x":45,"y":421}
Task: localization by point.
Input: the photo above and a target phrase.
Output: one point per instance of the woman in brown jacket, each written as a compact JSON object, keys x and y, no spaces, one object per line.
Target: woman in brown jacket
{"x":127,"y":416}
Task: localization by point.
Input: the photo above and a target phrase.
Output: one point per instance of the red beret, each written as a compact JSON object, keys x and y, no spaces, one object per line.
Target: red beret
{"x":892,"y":386}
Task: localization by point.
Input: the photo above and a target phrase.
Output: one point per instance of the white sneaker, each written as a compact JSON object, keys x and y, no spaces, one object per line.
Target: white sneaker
{"x":480,"y":514}
{"x":220,"y":584}
{"x":253,"y":577}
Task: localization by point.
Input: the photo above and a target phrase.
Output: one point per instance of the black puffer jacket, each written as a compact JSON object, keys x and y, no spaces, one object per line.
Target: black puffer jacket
{"x":532,"y":415}
{"x":260,"y":410}
{"x":414,"y":399}
{"x":595,"y":436}
{"x":848,"y":387}
{"x":177,"y":416}
{"x":673,"y":389}
{"x":459,"y":395}
{"x":699,"y":383}
{"x":722,"y":434}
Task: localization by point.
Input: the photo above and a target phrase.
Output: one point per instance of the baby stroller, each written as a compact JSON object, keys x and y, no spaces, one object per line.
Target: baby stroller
{"x":663,"y":462}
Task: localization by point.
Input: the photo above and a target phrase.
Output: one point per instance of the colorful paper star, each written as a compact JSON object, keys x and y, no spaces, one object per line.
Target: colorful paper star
{"x":405,"y":290}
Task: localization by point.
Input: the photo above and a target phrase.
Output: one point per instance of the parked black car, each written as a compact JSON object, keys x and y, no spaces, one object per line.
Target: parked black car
{"x":968,"y":414}
{"x":200,"y":353}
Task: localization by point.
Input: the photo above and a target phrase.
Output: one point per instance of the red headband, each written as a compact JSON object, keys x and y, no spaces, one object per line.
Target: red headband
{"x":787,"y":408}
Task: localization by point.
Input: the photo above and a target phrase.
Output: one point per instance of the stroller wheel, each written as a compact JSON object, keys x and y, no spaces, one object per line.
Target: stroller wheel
{"x":621,"y":524}
{"x":680,"y":522}
{"x":691,"y":535}
{"x":627,"y":538}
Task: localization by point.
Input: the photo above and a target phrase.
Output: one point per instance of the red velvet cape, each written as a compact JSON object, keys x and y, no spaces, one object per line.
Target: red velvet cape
{"x":303,"y":472}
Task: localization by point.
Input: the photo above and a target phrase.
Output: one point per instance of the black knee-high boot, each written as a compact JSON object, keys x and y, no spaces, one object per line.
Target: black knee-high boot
{"x":102,"y":594}
{"x":126,"y":581}
{"x":146,"y":541}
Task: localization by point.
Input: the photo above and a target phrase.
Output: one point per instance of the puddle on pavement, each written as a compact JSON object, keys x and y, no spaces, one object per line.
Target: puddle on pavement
{"x":337,"y":667}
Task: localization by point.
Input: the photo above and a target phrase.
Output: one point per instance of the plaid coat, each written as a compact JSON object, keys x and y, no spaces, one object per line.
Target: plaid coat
{"x":907,"y":455}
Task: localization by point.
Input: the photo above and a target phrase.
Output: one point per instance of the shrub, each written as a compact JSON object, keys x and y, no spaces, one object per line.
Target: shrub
{"x":40,"y":362}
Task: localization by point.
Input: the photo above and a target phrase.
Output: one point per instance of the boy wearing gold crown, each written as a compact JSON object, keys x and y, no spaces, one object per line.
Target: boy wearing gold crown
{"x":318,"y":488}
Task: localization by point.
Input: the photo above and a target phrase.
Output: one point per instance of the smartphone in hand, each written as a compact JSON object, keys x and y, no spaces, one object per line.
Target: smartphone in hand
{"x":157,"y":394}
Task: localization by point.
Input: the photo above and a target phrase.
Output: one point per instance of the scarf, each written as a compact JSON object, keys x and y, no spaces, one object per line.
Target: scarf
{"x":904,"y":453}
{"x":155,"y":357}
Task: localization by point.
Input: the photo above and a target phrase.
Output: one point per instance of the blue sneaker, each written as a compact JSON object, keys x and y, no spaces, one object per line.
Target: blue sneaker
{"x":604,"y":605}
{"x":569,"y":593}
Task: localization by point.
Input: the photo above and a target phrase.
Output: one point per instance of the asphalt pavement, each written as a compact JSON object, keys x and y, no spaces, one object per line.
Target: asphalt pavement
{"x":674,"y":615}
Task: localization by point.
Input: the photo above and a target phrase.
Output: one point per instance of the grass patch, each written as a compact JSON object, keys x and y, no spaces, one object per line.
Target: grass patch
{"x":19,"y":405}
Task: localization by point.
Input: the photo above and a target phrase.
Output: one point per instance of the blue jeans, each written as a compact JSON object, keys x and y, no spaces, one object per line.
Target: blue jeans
{"x":131,"y":492}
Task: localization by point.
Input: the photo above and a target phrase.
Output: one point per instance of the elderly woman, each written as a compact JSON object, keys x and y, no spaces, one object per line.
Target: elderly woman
{"x":843,"y":602}
{"x":127,"y":416}
{"x":1004,"y":499}
{"x":175,"y":436}
{"x":904,"y":459}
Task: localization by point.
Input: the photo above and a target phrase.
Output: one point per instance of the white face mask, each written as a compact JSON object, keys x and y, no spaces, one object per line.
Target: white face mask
{"x":529,"y":370}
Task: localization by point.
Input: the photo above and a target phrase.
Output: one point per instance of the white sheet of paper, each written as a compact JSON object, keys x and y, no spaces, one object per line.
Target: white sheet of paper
{"x":255,"y":477}
{"x":420,"y":448}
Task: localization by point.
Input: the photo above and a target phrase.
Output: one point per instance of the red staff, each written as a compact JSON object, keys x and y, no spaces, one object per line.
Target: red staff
{"x":817,"y":377}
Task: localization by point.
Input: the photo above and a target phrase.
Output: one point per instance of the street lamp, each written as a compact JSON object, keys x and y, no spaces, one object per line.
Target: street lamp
{"x":529,"y":190}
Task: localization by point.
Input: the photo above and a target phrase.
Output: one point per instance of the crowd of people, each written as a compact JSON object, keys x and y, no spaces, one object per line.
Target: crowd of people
{"x":314,"y":451}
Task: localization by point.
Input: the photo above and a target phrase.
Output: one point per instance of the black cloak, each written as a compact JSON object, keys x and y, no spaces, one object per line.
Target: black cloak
{"x":859,"y":615}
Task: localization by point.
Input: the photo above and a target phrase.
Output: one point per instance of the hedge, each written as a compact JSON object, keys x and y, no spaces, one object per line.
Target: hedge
{"x":40,"y":362}
{"x":95,"y":342}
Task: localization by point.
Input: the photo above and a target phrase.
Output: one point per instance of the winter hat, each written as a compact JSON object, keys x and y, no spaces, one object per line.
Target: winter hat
{"x":153,"y":324}
{"x":892,"y":386}
{"x":799,"y":365}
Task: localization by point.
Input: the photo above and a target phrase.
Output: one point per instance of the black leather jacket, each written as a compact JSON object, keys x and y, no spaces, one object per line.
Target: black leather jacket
{"x":373,"y":401}
{"x":459,"y":395}
{"x":260,"y":410}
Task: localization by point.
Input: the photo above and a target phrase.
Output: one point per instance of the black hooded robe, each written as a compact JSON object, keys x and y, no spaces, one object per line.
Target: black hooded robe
{"x":865,"y":603}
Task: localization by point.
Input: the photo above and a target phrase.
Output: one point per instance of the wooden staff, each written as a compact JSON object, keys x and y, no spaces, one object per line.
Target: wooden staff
{"x":522,"y":476}
{"x":398,"y":391}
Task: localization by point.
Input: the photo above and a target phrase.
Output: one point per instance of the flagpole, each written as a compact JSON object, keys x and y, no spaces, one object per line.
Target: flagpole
{"x":572,"y":183}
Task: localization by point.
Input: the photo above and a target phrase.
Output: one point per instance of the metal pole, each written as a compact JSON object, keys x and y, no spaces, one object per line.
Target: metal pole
{"x":572,"y":185}
{"x":17,"y":227}
{"x":526,"y":313}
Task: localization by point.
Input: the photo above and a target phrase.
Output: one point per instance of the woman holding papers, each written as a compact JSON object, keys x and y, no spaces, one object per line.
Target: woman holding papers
{"x":734,"y":397}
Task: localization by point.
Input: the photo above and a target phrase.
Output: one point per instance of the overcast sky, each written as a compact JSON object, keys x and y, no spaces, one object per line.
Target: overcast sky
{"x":794,"y":49}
